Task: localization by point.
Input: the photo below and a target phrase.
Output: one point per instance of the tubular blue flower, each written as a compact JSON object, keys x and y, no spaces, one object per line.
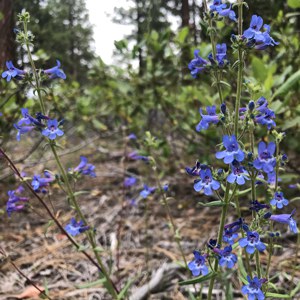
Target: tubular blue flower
{"x":252,"y":242}
{"x":260,"y":39}
{"x":239,"y":174}
{"x":257,"y":206}
{"x":217,"y":6}
{"x":56,"y":72}
{"x":195,"y":171}
{"x":22,"y":130}
{"x":131,"y":136}
{"x":266,"y":118}
{"x":85,"y":168}
{"x":237,"y":225}
{"x":206,"y":183}
{"x":226,"y":258}
{"x":28,"y":119}
{"x":211,"y":117}
{"x":197,"y":65}
{"x":12,"y":204}
{"x":286,"y":219}
{"x":279,"y":201}
{"x":197,"y":266}
{"x":40,"y":183}
{"x":265,"y":161}
{"x":52,"y":130}
{"x":229,"y":236}
{"x":253,"y":289}
{"x":228,"y":12}
{"x":135,"y":156}
{"x":130,"y":181}
{"x":12,"y":72}
{"x":232,"y":152}
{"x":147,"y":191}
{"x":74,"y":228}
{"x":253,"y":32}
{"x":220,"y":55}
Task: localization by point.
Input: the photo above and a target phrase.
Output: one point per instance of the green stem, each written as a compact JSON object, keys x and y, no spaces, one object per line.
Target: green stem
{"x":109,"y":284}
{"x":240,"y":71}
{"x":220,"y":237}
{"x":213,"y":45}
{"x":169,"y":214}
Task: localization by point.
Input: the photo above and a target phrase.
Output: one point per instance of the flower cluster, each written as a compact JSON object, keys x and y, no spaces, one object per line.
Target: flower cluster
{"x":13,"y":72}
{"x":15,"y":202}
{"x":40,"y":184}
{"x":257,"y":38}
{"x":198,"y":65}
{"x":222,"y":10}
{"x":49,"y":128}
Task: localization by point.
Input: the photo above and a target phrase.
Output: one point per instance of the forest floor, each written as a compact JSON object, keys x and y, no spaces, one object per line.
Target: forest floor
{"x":147,"y":247}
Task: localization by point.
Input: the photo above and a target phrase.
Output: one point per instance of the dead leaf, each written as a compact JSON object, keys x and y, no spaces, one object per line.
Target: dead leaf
{"x":30,"y":292}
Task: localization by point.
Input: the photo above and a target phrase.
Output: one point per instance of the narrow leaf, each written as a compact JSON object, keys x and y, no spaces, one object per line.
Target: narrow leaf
{"x":198,"y":279}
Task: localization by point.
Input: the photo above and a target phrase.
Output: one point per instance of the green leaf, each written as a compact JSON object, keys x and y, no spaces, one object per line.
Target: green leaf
{"x":124,"y":290}
{"x":91,"y":284}
{"x":213,"y":203}
{"x":293,"y":3}
{"x":198,"y":279}
{"x":291,"y":123}
{"x":278,"y":296}
{"x":80,"y":193}
{"x":182,"y":35}
{"x":288,"y":85}
{"x":259,"y":69}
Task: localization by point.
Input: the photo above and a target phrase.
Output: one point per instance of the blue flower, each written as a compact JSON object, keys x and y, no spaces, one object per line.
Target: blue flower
{"x":217,"y":6}
{"x":197,"y":65}
{"x":74,"y":228}
{"x":266,"y":119}
{"x":40,"y":183}
{"x":147,"y":191}
{"x":261,"y":39}
{"x":232,"y":152}
{"x":279,"y":201}
{"x":197,"y":266}
{"x":195,"y":171}
{"x":56,"y":72}
{"x":253,"y":289}
{"x":130,"y":181}
{"x":85,"y":168}
{"x":220,"y":55}
{"x":252,"y":242}
{"x":239,"y":174}
{"x":135,"y":156}
{"x":52,"y":130}
{"x":226,"y":258}
{"x":229,"y":236}
{"x":12,"y":204}
{"x":206,"y":183}
{"x":257,"y":206}
{"x":286,"y":219}
{"x":211,"y":117}
{"x":221,"y":9}
{"x":237,"y":225}
{"x":265,"y":161}
{"x":228,"y":12}
{"x":22,"y":130}
{"x":12,"y":72}
{"x":28,"y":119}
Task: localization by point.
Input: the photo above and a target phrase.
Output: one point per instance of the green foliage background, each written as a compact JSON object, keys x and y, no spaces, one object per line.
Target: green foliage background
{"x":159,"y":95}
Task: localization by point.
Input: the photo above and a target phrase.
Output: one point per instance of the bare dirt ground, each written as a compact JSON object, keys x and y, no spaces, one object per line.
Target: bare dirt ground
{"x":146,"y":242}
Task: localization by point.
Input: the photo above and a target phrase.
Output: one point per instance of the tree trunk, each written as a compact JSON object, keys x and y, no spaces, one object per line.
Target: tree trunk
{"x":7,"y":45}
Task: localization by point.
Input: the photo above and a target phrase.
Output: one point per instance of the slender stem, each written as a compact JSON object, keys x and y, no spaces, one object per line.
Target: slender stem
{"x":213,"y":44}
{"x":23,"y":274}
{"x":220,"y":237}
{"x":240,"y":70}
{"x":110,"y":285}
{"x":238,"y":210}
{"x":169,"y":214}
